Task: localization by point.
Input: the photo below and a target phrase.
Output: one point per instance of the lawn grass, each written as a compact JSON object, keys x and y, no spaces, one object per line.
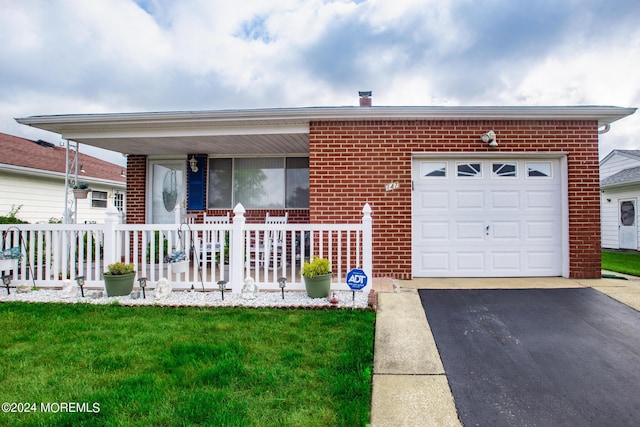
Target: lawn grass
{"x":187,"y":366}
{"x":621,"y":262}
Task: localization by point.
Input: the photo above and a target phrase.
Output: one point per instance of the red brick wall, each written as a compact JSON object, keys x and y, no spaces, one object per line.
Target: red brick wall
{"x":351,"y":161}
{"x":136,"y":176}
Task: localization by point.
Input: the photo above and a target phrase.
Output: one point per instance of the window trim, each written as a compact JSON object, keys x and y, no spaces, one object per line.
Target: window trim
{"x":426,"y":176}
{"x":515,"y":163}
{"x":94,"y":199}
{"x":526,"y":167}
{"x":480,"y":164}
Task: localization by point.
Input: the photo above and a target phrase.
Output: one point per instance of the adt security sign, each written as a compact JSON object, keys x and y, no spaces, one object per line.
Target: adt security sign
{"x":356,"y":279}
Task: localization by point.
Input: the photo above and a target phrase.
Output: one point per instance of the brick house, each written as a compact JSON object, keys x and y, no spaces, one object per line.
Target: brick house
{"x":449,"y":197}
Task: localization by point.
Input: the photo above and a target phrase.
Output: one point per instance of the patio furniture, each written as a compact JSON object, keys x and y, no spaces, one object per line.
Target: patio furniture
{"x":269,"y":247}
{"x":213,"y":240}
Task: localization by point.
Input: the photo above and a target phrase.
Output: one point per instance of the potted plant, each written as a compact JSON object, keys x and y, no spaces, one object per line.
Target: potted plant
{"x":118,"y":280}
{"x":178,"y":261}
{"x":9,"y":259}
{"x":317,"y":277}
{"x":80,"y":190}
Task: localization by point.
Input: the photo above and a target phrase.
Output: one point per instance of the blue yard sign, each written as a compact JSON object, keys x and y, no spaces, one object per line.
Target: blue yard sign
{"x":356,"y":279}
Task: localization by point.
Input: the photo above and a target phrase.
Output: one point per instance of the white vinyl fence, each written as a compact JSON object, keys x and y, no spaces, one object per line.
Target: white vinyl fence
{"x":53,"y":253}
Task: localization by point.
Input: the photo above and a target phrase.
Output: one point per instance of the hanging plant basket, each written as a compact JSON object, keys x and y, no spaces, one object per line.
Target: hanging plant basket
{"x":80,"y":193}
{"x":8,"y":264}
{"x":179,"y":266}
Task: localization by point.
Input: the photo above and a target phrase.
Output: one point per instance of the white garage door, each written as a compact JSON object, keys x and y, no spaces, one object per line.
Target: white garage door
{"x":487,"y":218}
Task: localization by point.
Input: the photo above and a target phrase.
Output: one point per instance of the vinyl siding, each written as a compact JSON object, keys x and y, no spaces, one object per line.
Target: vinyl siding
{"x":42,"y":198}
{"x":609,"y":213}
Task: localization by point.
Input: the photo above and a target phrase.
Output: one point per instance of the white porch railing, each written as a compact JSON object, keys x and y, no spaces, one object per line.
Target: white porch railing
{"x":53,"y":253}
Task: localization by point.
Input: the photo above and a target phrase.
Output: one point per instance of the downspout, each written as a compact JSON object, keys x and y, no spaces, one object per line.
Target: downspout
{"x":605,"y":129}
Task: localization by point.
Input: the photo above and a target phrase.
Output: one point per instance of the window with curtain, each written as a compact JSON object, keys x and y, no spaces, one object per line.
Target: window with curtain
{"x":258,"y":183}
{"x":99,"y":199}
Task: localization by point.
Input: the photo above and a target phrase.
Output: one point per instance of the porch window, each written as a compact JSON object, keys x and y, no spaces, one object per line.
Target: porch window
{"x":258,"y":182}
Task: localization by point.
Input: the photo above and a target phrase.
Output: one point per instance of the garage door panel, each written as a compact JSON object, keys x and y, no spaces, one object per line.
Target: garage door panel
{"x":541,"y":260}
{"x":542,"y":230}
{"x":506,"y":262}
{"x":506,"y":231}
{"x":523,"y":214}
{"x":541,"y":200}
{"x":507,"y":200}
{"x":470,"y":262}
{"x":435,"y":263}
{"x":431,"y":201}
{"x":470,"y":200}
{"x":434,"y":231}
{"x":469,"y":230}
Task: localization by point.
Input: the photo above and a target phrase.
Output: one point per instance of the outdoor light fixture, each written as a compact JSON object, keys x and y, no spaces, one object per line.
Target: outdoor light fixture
{"x":143,"y":284}
{"x":282,"y":281}
{"x":193,"y":164}
{"x":6,"y":281}
{"x":489,"y":138}
{"x":221,"y":284}
{"x":80,"y":282}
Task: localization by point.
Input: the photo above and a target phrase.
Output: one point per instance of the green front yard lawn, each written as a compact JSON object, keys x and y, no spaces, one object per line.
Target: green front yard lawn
{"x":141,"y":366}
{"x":621,"y":262}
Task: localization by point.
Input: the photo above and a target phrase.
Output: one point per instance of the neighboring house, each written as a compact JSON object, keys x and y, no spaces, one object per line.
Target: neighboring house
{"x":32,"y":175}
{"x":620,"y":185}
{"x":448,"y":199}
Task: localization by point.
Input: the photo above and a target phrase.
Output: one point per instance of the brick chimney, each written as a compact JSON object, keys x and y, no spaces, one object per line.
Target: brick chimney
{"x":365,"y":98}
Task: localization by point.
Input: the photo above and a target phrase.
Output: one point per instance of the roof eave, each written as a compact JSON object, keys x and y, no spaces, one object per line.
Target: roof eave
{"x":286,"y":116}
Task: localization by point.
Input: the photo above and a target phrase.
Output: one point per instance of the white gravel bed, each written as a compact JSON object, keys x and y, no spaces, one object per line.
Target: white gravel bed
{"x":292,"y":299}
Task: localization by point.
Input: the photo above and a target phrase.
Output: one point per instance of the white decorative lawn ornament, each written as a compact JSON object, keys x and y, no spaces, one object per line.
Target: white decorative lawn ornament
{"x":69,"y":290}
{"x":23,"y":288}
{"x":163,"y":289}
{"x":250,"y":289}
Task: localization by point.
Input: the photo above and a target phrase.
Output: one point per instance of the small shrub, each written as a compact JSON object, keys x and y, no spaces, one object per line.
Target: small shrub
{"x":316,"y":267}
{"x":119,"y":269}
{"x":11,"y":217}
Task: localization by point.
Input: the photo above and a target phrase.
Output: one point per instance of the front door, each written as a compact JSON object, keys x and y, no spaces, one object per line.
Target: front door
{"x":627,"y":226}
{"x":168,"y":191}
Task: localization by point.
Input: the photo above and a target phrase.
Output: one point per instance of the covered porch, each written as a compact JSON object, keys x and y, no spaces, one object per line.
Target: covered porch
{"x":54,"y":253}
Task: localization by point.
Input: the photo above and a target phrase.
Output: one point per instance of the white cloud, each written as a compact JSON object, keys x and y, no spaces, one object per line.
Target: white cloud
{"x":76,"y":56}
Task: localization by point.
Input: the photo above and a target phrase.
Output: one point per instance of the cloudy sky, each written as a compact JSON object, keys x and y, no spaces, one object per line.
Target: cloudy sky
{"x":80,"y":56}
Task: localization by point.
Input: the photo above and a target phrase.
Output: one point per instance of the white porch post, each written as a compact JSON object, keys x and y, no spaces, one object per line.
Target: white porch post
{"x":236,"y":259}
{"x":110,"y":235}
{"x":367,"y":246}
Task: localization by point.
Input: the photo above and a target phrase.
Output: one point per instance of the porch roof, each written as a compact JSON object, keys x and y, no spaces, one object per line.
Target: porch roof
{"x":271,"y":130}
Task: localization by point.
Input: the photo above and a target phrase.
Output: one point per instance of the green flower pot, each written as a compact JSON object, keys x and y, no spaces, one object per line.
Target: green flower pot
{"x":319,"y":286}
{"x":119,"y":285}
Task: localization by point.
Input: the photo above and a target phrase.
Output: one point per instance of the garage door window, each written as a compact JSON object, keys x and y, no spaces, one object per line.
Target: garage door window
{"x":469,"y":170}
{"x":504,"y":170}
{"x":433,"y":170}
{"x":538,"y":169}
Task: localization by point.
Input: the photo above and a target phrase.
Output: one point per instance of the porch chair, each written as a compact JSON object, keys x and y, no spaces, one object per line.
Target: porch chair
{"x":273,"y":244}
{"x":190,"y":219}
{"x":213,"y":240}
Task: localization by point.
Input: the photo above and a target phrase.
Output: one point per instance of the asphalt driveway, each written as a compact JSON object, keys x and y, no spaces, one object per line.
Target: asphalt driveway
{"x":537,"y":357}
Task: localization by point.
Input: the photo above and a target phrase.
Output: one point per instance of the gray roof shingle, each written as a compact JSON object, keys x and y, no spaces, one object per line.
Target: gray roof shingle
{"x":624,"y":177}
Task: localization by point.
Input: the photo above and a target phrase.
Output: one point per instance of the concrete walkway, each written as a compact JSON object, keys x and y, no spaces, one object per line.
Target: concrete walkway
{"x":410,"y":386}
